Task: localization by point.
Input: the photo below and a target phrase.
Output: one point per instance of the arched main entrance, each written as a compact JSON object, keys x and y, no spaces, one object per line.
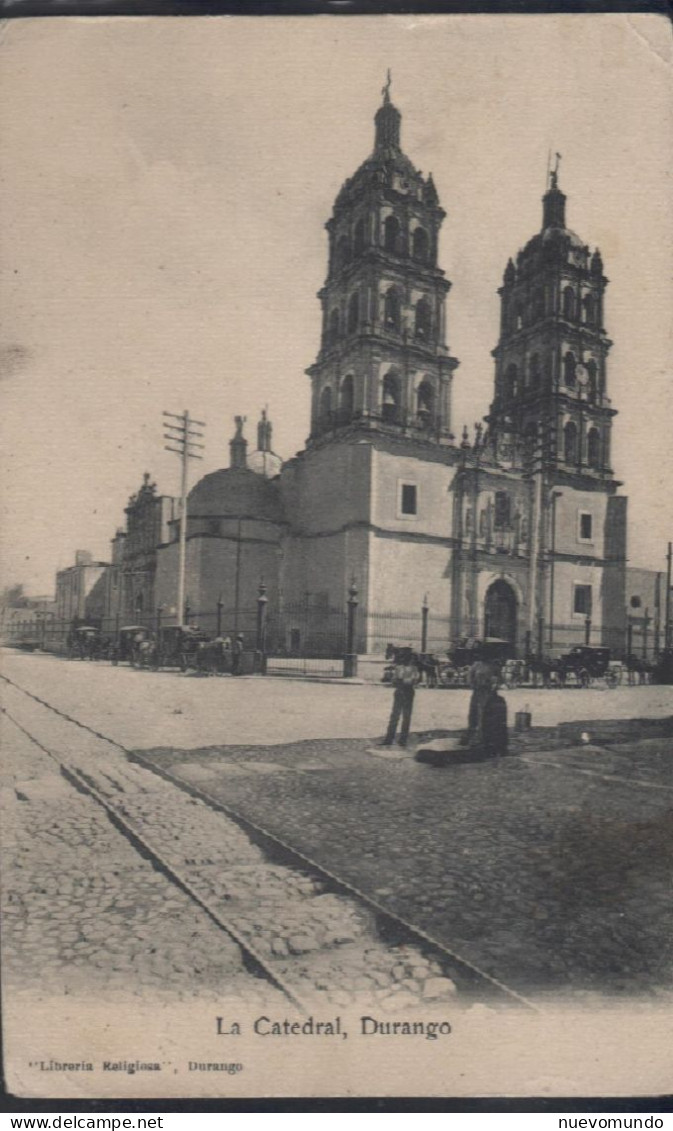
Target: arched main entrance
{"x":500,"y":611}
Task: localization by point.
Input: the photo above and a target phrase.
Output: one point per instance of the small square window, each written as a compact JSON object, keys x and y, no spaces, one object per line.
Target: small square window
{"x":586,"y":526}
{"x":408,"y":499}
{"x":582,"y":601}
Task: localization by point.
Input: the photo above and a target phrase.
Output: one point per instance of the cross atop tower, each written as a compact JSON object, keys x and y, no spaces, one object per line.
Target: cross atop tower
{"x":388,"y":120}
{"x":553,"y":176}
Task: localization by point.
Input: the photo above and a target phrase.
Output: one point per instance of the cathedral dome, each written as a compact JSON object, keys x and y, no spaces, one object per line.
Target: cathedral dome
{"x":265,"y":463}
{"x":236,"y":493}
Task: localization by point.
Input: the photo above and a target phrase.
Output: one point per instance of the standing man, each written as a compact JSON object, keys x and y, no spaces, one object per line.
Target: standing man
{"x":406,"y":675}
{"x":236,"y":655}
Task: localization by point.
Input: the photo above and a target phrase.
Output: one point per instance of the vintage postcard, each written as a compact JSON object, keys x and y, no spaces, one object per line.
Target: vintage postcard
{"x":336,"y":612}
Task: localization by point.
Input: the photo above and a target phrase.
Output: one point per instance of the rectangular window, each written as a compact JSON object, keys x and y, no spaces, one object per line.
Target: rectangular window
{"x":582,"y":600}
{"x":585,"y":526}
{"x":501,"y":516}
{"x":408,"y":498}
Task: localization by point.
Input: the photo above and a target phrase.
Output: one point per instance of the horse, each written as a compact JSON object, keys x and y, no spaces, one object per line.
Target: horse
{"x":145,"y":654}
{"x":550,"y":670}
{"x":210,"y":655}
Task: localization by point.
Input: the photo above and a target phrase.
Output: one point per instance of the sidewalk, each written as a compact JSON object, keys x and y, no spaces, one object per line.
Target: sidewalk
{"x":142,"y":708}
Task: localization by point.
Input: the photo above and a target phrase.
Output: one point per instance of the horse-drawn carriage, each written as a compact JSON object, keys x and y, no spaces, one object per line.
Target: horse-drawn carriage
{"x":579,"y":667}
{"x":453,"y":669}
{"x":179,"y":646}
{"x":127,"y":647}
{"x":87,"y":642}
{"x":662,"y":671}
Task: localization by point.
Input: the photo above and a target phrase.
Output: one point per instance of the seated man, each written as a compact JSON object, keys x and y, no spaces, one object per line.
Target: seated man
{"x":487,"y":717}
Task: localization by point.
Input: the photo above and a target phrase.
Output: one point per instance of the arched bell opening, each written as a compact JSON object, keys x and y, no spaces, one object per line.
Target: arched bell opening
{"x":390,"y":399}
{"x":425,"y":404}
{"x":346,"y":399}
{"x":325,"y":407}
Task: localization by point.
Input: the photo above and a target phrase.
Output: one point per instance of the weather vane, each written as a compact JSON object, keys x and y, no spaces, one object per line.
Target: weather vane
{"x":386,"y":89}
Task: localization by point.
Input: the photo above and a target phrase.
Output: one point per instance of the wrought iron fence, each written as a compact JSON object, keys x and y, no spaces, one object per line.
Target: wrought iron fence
{"x":313,"y":639}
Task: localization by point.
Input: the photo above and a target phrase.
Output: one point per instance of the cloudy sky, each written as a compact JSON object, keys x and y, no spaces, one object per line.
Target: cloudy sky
{"x":164,"y":186}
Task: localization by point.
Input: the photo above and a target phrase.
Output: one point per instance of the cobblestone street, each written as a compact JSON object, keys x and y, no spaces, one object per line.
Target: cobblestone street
{"x":82,"y":912}
{"x":85,"y":909}
{"x":552,"y":874}
{"x":549,"y":870}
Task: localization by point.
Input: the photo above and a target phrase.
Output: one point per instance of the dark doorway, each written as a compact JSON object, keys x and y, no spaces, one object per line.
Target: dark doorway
{"x":500,"y":612}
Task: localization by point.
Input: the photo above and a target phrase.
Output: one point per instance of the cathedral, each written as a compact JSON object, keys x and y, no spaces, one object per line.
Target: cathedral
{"x":515,"y":531}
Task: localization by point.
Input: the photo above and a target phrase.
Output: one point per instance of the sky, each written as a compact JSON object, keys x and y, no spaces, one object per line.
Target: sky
{"x":164,"y":185}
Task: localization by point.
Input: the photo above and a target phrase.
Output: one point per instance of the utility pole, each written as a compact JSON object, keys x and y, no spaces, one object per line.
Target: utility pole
{"x":180,"y":436}
{"x":667,"y":623}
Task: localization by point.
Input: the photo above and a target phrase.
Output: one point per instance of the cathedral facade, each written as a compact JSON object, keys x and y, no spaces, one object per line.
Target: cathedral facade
{"x":515,"y":531}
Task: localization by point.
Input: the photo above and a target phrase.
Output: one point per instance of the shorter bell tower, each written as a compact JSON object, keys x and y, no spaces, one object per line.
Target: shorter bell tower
{"x":550,"y":424}
{"x":551,"y":388}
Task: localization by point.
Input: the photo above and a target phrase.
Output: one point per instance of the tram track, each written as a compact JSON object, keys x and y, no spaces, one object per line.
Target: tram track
{"x":302,"y":975}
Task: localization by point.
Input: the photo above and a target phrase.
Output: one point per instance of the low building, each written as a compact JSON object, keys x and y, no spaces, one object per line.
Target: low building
{"x":80,"y":590}
{"x":130,"y":595}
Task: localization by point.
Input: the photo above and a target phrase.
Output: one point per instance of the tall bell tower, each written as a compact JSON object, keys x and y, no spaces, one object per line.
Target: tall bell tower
{"x":383,"y":362}
{"x":551,"y":360}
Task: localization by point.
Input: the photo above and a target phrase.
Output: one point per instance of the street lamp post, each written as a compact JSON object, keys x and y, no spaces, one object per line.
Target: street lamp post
{"x":425,"y":609}
{"x":262,"y":604}
{"x":350,"y":659}
{"x":552,"y":563}
{"x":220,"y":606}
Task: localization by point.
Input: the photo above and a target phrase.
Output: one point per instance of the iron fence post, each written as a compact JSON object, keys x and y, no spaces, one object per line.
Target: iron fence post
{"x":262,"y":603}
{"x":350,"y":659}
{"x":220,"y":606}
{"x":425,"y":609}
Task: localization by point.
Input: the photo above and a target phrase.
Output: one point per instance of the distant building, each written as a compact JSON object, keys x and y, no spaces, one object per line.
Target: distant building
{"x":80,"y":591}
{"x":645,"y":610}
{"x":131,"y":579}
